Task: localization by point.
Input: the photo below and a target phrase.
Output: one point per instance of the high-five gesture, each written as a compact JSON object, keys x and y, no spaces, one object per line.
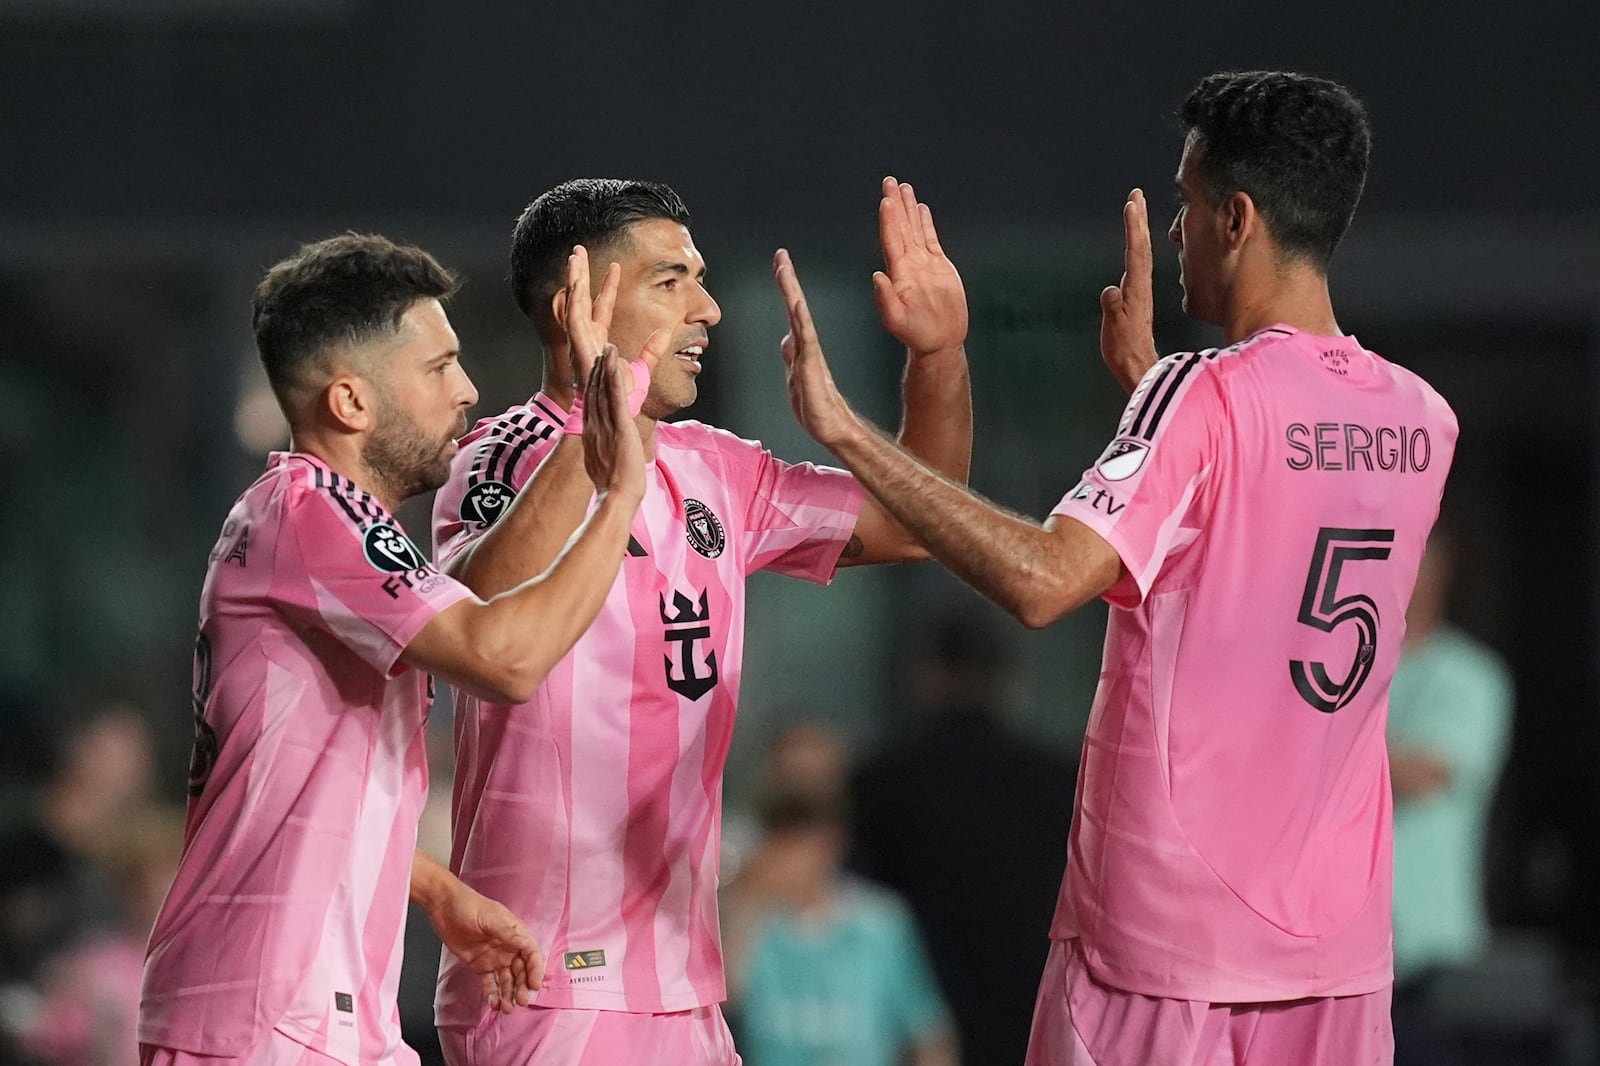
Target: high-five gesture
{"x":920,"y":296}
{"x":587,"y":318}
{"x":612,"y":452}
{"x":1127,"y":311}
{"x":816,"y":400}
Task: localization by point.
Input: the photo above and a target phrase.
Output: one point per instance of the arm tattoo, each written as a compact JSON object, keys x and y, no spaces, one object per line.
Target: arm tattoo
{"x":853,"y":549}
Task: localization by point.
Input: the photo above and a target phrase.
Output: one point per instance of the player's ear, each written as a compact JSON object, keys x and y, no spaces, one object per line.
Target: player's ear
{"x":558,"y":306}
{"x":1240,"y":220}
{"x":351,"y":402}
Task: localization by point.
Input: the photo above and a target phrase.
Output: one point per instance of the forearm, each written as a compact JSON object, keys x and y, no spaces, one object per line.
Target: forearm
{"x":534,"y":529}
{"x":431,"y":882}
{"x":936,"y":422}
{"x":534,"y":624}
{"x":1008,"y":558}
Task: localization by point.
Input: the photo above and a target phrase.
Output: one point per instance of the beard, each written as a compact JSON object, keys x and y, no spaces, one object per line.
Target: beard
{"x":405,"y":458}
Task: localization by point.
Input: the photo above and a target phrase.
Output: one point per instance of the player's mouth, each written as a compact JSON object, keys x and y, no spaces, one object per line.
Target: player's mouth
{"x":691,"y":355}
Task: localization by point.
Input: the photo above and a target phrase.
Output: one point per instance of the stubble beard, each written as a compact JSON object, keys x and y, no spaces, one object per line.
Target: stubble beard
{"x":404,"y":459}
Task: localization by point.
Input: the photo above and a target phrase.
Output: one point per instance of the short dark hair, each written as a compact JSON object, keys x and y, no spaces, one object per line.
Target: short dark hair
{"x":341,"y":291}
{"x":592,"y":212}
{"x":1297,"y":144}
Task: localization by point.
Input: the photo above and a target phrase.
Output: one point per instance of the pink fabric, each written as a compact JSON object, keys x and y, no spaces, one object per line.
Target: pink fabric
{"x":543,"y":1036}
{"x":289,"y":902}
{"x":274,"y":1049}
{"x":1078,"y":1021}
{"x":594,"y":809}
{"x":1233,"y":834}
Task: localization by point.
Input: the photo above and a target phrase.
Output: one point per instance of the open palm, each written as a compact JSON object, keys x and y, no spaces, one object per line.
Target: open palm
{"x":920,"y":296}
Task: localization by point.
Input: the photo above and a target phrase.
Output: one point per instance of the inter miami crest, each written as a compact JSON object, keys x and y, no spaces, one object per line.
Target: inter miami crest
{"x":391,"y":551}
{"x":486,"y":501}
{"x":703,"y":529}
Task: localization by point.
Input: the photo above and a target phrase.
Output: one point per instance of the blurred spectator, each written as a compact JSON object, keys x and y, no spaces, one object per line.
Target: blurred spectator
{"x":61,"y":842}
{"x":88,"y":1006}
{"x":968,"y":821}
{"x":1449,"y":726}
{"x":823,"y":968}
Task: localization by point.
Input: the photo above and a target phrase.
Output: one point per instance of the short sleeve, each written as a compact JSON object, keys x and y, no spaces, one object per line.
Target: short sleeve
{"x":1142,"y":494}
{"x":486,"y":475}
{"x":919,"y":1009}
{"x":797,"y":517}
{"x":351,"y":571}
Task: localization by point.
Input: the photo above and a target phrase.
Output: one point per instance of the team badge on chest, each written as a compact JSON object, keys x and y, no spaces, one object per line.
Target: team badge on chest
{"x":703,"y":529}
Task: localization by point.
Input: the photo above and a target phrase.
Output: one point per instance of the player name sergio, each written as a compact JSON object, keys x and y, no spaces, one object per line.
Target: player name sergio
{"x":1351,"y":446}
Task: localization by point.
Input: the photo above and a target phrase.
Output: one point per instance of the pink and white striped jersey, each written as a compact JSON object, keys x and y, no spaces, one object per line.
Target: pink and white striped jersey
{"x":307,"y":781}
{"x":594,"y":810}
{"x":1232,"y":837}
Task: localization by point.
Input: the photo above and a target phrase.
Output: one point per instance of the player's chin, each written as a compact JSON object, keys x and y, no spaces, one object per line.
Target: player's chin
{"x":671,"y":398}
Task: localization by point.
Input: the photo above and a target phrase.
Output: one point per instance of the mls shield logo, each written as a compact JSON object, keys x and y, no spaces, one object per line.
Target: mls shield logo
{"x":1123,"y":459}
{"x":703,"y":529}
{"x":391,"y":551}
{"x":486,"y":502}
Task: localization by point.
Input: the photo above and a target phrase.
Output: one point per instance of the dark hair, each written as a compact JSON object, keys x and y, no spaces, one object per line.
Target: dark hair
{"x":343,"y":290}
{"x":1298,"y":145}
{"x":592,"y":212}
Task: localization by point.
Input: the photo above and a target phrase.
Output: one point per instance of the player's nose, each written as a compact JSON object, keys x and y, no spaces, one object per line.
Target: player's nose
{"x":706,"y":309}
{"x":467,"y":394}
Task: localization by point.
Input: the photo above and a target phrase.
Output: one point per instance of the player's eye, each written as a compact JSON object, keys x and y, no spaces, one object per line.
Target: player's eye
{"x":670,"y":284}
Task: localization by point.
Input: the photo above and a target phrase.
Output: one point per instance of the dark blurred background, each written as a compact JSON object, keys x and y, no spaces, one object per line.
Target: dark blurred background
{"x":156,"y":155}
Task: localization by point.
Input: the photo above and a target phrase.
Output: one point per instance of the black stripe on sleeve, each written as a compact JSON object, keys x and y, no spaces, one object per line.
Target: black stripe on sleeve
{"x":509,"y":432}
{"x":1195,"y":360}
{"x":1150,"y":396}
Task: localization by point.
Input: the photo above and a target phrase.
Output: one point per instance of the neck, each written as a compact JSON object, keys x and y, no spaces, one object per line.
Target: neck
{"x":342,"y":454}
{"x":1296,"y":296}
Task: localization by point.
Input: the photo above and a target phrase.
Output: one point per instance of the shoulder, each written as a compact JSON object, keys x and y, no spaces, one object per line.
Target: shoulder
{"x":538,"y":418}
{"x":306,"y":487}
{"x":726,"y":456}
{"x":498,"y":450}
{"x":692,"y":436}
{"x":1172,"y":382}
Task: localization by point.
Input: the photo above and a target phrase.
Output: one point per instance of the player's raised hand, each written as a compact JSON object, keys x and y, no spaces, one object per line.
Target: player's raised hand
{"x":492,"y":941}
{"x":816,"y":400}
{"x":612,"y":452}
{"x":587,"y":320}
{"x":920,"y":296}
{"x":1127,"y":311}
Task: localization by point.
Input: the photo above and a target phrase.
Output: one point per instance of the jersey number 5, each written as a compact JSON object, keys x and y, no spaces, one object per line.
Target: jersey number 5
{"x":1323,"y":608}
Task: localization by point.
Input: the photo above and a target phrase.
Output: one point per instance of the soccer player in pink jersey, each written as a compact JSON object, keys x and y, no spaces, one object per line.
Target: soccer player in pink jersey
{"x":319,"y":624}
{"x":593,"y":810}
{"x":1256,"y":527}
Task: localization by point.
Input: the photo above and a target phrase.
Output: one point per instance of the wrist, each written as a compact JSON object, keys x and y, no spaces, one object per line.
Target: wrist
{"x":431,"y":886}
{"x":951,"y":351}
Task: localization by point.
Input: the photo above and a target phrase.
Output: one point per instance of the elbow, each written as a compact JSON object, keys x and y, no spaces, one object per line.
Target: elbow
{"x":1040,"y":600}
{"x":507,"y":674}
{"x":517,"y":680}
{"x":1035,"y":615}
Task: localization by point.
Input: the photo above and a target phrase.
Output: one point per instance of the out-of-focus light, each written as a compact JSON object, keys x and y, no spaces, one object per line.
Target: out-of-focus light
{"x":258,"y":422}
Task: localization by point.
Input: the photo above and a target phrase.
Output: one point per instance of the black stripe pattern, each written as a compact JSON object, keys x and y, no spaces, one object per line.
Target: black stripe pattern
{"x":358,"y":505}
